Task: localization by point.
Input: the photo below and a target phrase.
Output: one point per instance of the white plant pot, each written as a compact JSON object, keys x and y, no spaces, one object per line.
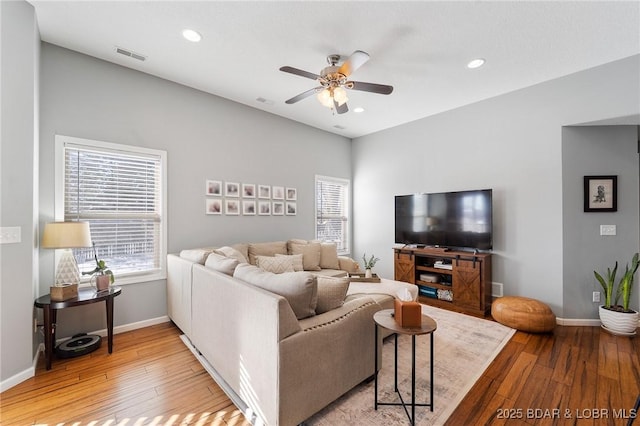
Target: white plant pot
{"x":624,"y":323}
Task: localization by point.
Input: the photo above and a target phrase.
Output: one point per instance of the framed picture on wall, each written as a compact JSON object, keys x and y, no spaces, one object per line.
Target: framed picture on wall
{"x":278,"y":193}
{"x":264,"y":208}
{"x":248,"y":207}
{"x":292,"y":208}
{"x":214,"y":187}
{"x":232,"y":207}
{"x":601,"y":193}
{"x":277,"y":208}
{"x":292,"y":194}
{"x":231,"y":189}
{"x":213,"y":206}
{"x":264,"y":191}
{"x":248,"y":190}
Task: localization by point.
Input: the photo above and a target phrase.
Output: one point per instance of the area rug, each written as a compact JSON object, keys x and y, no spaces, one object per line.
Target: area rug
{"x":464,"y":348}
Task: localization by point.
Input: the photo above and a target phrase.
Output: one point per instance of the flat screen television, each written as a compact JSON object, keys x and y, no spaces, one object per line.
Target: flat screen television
{"x":457,"y":220}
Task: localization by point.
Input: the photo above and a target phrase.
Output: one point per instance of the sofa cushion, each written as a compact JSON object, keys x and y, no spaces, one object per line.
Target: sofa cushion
{"x":331,"y":293}
{"x":310,"y":254}
{"x":299,"y":288}
{"x":277,"y":265}
{"x":198,"y":255}
{"x":266,"y":249}
{"x":329,"y":256}
{"x":232,"y":253}
{"x":296,"y":260}
{"x":222,"y":264}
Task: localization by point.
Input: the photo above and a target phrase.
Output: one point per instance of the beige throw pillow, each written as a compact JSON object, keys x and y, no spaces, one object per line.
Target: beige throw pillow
{"x":329,"y":256}
{"x":277,"y":265}
{"x":222,"y":264}
{"x":299,"y":288}
{"x":331,"y":293}
{"x":232,"y":253}
{"x":266,"y":249}
{"x":310,"y":255}
{"x":198,"y":255}
{"x":296,"y":260}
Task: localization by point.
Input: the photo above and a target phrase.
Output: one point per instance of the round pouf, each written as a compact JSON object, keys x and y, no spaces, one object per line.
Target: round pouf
{"x":523,"y":313}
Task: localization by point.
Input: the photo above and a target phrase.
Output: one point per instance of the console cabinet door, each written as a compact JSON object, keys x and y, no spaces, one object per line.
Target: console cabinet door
{"x":404,"y":267}
{"x":466,"y":284}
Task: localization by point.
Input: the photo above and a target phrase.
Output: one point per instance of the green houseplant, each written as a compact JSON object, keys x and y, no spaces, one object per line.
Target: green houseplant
{"x":102,"y":274}
{"x":369,"y":264}
{"x":618,"y":319}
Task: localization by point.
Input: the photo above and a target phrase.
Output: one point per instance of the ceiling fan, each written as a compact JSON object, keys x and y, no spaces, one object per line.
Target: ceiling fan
{"x":334,"y":79}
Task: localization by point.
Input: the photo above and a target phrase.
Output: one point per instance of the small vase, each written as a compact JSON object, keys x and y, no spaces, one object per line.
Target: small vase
{"x":102,"y":282}
{"x":367,"y":273}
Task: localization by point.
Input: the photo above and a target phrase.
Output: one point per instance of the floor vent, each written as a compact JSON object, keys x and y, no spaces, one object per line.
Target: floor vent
{"x":497,"y":289}
{"x":130,"y":54}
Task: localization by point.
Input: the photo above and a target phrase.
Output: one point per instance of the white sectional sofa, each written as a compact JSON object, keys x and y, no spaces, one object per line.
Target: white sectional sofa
{"x":282,"y":346}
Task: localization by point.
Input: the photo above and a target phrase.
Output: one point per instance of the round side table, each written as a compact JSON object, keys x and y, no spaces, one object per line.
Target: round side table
{"x":386,"y":320}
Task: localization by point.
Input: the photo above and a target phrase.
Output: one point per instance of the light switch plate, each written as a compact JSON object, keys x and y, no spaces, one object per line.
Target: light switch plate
{"x":607,"y":229}
{"x":10,"y":234}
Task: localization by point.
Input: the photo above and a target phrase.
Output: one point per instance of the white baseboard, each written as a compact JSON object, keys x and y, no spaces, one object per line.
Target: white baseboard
{"x":573,"y":322}
{"x":31,"y":371}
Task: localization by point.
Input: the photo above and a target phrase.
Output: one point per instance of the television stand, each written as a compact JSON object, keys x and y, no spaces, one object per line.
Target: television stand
{"x":455,"y":280}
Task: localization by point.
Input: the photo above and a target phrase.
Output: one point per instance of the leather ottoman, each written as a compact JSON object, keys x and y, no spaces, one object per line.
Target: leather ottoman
{"x":523,"y":313}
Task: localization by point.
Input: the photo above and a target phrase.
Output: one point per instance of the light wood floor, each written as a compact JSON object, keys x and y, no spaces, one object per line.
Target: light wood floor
{"x":153,"y":379}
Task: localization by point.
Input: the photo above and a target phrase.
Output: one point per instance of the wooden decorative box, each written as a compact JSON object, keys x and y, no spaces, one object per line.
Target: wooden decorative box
{"x":64,"y":292}
{"x":359,"y":277}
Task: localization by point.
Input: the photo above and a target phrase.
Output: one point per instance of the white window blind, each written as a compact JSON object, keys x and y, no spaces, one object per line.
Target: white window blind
{"x":332,"y":211}
{"x":119,"y":191}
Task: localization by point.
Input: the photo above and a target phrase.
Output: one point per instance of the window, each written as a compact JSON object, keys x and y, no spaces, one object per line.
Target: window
{"x":120,"y":191}
{"x":332,"y":211}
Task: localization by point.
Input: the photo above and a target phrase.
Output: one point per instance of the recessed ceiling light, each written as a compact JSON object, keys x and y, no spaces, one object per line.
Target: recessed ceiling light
{"x":476,"y":63}
{"x":358,"y":109}
{"x":191,"y":35}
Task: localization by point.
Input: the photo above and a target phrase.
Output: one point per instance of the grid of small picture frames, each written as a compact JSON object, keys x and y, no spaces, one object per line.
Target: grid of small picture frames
{"x":248,"y":199}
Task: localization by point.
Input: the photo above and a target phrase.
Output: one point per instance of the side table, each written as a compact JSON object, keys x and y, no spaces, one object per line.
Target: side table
{"x":386,"y":320}
{"x":86,"y":295}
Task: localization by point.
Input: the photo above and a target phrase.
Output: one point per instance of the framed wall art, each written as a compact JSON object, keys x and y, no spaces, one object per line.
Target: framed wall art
{"x":600,"y":193}
{"x":264,"y":191}
{"x":292,"y":194}
{"x":277,"y":208}
{"x":231,"y":189}
{"x":214,"y":187}
{"x":278,"y":193}
{"x":248,"y":190}
{"x":264,"y":208}
{"x":213,"y":206}
{"x":248,"y":207}
{"x":232,"y":207}
{"x":292,"y":208}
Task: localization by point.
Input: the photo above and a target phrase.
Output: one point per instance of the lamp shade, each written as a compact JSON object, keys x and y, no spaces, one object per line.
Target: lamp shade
{"x":58,"y":235}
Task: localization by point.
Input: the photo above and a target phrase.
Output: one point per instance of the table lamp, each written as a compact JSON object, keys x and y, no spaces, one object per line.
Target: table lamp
{"x":66,"y":235}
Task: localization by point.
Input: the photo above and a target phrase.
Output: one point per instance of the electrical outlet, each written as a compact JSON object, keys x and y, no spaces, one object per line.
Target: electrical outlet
{"x":596,"y":297}
{"x":35,"y":325}
{"x":607,"y":229}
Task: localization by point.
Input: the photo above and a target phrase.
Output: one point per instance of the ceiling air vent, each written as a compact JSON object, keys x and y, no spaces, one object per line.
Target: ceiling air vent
{"x":339,"y":127}
{"x":264,"y":101}
{"x":130,"y":54}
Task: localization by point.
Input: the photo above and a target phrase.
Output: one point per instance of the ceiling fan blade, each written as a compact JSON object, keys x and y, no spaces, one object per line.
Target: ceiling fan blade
{"x":301,"y":73}
{"x":353,"y":62}
{"x":303,"y":95}
{"x":340,"y":109}
{"x":382,"y":89}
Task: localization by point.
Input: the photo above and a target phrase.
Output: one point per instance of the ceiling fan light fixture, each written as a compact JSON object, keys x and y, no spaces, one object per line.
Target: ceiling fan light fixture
{"x":325,"y":98}
{"x":340,"y":95}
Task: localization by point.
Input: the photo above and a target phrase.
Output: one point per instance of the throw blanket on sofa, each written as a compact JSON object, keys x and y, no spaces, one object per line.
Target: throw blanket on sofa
{"x":389,"y":287}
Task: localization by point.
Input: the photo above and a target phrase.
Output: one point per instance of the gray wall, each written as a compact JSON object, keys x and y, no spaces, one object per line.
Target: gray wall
{"x":19,"y":50}
{"x":511,"y":143}
{"x":611,"y":150}
{"x":206,"y":137}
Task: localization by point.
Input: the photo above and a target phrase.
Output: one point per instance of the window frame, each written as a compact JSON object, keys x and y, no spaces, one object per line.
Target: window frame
{"x":61,"y":143}
{"x":347,"y":209}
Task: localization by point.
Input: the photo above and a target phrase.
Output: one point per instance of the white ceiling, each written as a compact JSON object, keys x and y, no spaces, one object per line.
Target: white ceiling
{"x":419,"y":47}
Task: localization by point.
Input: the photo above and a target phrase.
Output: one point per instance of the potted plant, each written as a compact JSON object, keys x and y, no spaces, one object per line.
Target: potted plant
{"x":369,"y":264}
{"x":616,"y":318}
{"x":103,"y":276}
